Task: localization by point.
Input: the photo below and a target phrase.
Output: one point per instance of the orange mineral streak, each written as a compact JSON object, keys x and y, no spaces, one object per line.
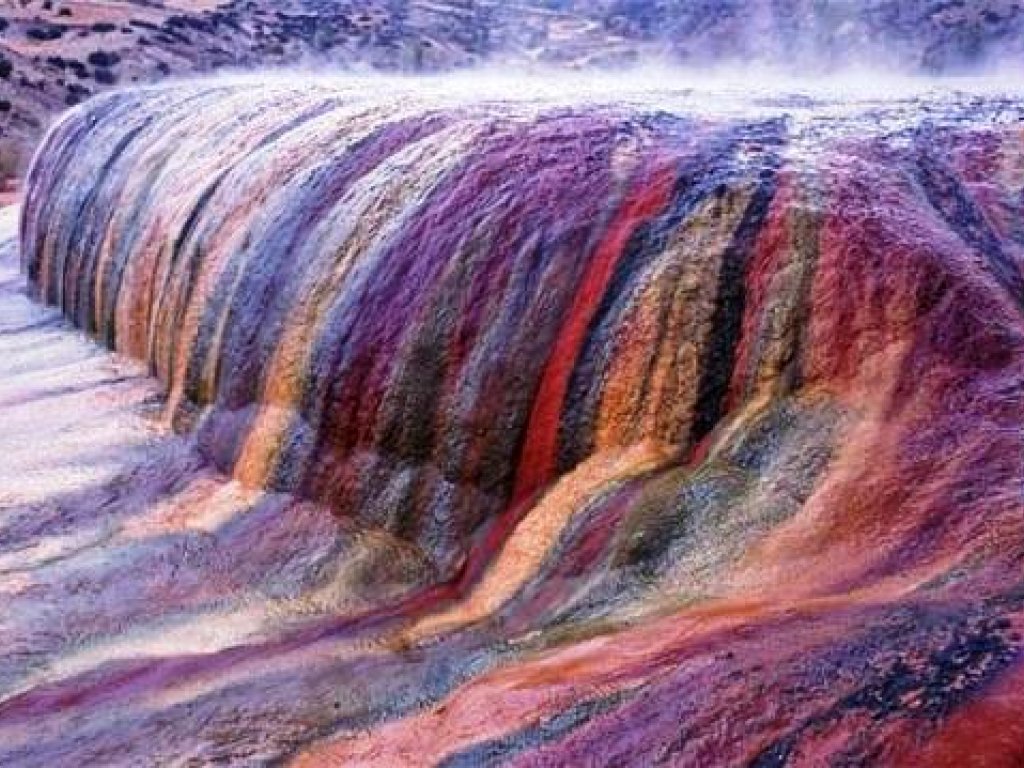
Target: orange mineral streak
{"x":377,"y":197}
{"x":532,"y":541}
{"x":205,"y":504}
{"x":231,"y":231}
{"x":669,"y":325}
{"x":773,"y":280}
{"x":537,"y":465}
{"x":147,"y":282}
{"x":134,"y":301}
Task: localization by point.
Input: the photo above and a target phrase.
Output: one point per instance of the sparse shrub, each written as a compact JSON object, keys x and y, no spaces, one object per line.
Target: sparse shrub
{"x":104,"y":76}
{"x":45,"y":33}
{"x":103,"y":59}
{"x":76,"y":94}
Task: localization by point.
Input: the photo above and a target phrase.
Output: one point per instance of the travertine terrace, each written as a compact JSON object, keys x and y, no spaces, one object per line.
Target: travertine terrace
{"x":589,"y":426}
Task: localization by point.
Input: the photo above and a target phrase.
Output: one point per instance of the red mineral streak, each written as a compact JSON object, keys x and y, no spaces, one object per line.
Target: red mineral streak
{"x":536,"y":467}
{"x":775,"y":244}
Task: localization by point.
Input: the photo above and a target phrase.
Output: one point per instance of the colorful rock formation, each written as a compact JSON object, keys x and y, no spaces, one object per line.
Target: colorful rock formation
{"x":674,"y":434}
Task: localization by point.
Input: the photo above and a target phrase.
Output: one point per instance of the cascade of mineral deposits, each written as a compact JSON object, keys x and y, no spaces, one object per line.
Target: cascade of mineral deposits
{"x":757,"y":380}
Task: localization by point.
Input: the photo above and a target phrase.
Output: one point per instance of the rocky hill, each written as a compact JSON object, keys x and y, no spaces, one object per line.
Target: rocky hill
{"x":918,"y":35}
{"x":56,"y":53}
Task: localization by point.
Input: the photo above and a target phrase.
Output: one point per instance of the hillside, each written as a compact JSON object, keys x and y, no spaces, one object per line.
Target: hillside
{"x":56,"y":53}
